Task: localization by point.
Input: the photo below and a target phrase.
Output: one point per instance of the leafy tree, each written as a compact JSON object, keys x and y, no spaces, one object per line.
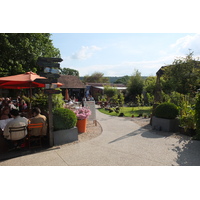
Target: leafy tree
{"x":68,"y":71}
{"x":96,"y":77}
{"x":110,"y":91}
{"x":123,"y":80}
{"x":182,"y":76}
{"x":150,"y":84}
{"x":135,"y":85}
{"x":20,"y":51}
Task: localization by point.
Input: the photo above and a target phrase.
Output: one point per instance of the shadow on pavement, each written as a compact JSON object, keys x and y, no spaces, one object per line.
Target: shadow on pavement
{"x":23,"y":152}
{"x":143,"y":132}
{"x":188,"y":155}
{"x":188,"y":150}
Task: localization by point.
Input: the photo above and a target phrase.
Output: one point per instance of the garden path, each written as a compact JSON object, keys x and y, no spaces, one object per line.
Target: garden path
{"x":121,"y":143}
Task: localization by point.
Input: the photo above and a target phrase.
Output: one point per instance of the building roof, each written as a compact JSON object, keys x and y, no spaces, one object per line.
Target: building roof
{"x":118,"y":88}
{"x":106,"y":84}
{"x":70,"y":81}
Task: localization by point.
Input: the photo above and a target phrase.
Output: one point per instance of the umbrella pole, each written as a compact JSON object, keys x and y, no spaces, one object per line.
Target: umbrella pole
{"x":30,"y":97}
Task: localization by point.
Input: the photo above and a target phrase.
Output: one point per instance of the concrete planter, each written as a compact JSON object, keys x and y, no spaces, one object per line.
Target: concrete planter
{"x":168,"y":125}
{"x":65,"y":136}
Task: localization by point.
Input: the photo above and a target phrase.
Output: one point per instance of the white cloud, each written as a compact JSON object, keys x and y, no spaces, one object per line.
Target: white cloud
{"x":183,"y":44}
{"x":85,"y":52}
{"x":146,"y":68}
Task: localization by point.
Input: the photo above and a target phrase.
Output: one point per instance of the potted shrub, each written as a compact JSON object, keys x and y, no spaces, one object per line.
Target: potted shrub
{"x":165,"y":117}
{"x":64,"y":121}
{"x":82,"y":114}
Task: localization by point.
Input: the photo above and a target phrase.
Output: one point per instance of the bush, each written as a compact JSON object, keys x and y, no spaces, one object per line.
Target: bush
{"x":63,"y":119}
{"x":166,"y":111}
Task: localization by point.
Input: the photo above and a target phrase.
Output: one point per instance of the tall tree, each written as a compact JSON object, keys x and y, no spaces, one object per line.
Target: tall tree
{"x":150,"y":84}
{"x":182,"y":76}
{"x":96,"y":77}
{"x":68,"y":71}
{"x":20,"y":51}
{"x":135,"y":85}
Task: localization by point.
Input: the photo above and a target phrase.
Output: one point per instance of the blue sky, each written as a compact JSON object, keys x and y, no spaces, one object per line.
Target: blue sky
{"x":112,"y":38}
{"x":119,"y":54}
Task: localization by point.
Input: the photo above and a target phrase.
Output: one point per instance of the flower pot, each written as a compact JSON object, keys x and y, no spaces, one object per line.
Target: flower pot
{"x":81,"y":125}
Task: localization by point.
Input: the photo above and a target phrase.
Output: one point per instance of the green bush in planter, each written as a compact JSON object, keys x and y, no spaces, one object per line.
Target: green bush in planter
{"x":63,"y":119}
{"x":166,"y":110}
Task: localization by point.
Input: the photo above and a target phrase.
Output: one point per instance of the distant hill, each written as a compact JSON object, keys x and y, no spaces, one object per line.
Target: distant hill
{"x":112,"y":79}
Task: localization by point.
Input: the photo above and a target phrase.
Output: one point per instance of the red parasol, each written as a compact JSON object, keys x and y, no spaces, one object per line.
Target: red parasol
{"x":21,"y":81}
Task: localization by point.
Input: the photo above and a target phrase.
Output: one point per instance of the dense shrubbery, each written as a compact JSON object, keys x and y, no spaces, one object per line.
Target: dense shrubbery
{"x":40,"y":100}
{"x":197,"y":116}
{"x":63,"y":119}
{"x":166,"y":110}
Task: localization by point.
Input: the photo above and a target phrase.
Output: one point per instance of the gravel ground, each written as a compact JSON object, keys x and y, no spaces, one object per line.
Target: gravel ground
{"x":93,"y":130}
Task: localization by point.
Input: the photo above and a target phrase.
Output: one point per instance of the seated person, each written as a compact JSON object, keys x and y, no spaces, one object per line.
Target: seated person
{"x":5,"y":113}
{"x":38,"y":118}
{"x":16,"y":122}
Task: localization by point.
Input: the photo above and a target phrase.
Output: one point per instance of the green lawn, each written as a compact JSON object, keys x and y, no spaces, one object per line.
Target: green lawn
{"x":129,"y":111}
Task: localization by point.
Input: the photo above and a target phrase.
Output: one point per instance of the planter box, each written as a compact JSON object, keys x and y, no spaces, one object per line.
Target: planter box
{"x":168,"y":125}
{"x":65,"y":136}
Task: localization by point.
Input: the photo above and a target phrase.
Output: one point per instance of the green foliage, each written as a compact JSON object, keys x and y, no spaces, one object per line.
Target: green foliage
{"x":63,"y":119}
{"x":57,"y":100}
{"x":135,"y":85}
{"x":102,"y":98}
{"x":166,"y":110}
{"x":96,"y":77}
{"x":40,"y":100}
{"x":110,"y":91}
{"x":182,"y":76}
{"x":197,"y":116}
{"x":150,"y":98}
{"x":150,"y":84}
{"x":117,"y":100}
{"x":20,"y":51}
{"x":187,"y":121}
{"x":68,"y":71}
{"x":116,"y":103}
{"x":129,"y":111}
{"x":123,"y":80}
{"x":140,"y":100}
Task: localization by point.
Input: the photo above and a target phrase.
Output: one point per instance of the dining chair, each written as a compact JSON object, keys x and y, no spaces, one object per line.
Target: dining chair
{"x":35,"y":141}
{"x":20,"y":129}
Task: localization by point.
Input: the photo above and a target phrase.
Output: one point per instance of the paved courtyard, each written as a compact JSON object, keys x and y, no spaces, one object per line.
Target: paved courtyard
{"x":122,"y":143}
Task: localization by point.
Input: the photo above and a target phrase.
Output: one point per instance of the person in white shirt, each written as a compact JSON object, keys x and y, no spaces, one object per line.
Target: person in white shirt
{"x":18,"y":121}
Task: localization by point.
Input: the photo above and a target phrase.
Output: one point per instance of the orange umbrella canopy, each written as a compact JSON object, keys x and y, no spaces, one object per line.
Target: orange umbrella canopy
{"x":21,"y":81}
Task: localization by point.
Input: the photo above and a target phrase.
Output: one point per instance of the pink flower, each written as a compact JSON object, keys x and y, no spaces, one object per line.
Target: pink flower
{"x":82,"y":113}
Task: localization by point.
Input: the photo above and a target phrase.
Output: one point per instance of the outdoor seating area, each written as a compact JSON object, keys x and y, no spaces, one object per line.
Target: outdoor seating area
{"x":19,"y":132}
{"x":16,"y":115}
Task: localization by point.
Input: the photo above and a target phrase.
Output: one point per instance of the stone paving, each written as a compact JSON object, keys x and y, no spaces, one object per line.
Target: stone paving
{"x":121,"y":143}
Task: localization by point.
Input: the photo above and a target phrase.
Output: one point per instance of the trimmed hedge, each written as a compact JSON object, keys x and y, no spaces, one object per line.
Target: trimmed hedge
{"x":166,"y":110}
{"x":63,"y":119}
